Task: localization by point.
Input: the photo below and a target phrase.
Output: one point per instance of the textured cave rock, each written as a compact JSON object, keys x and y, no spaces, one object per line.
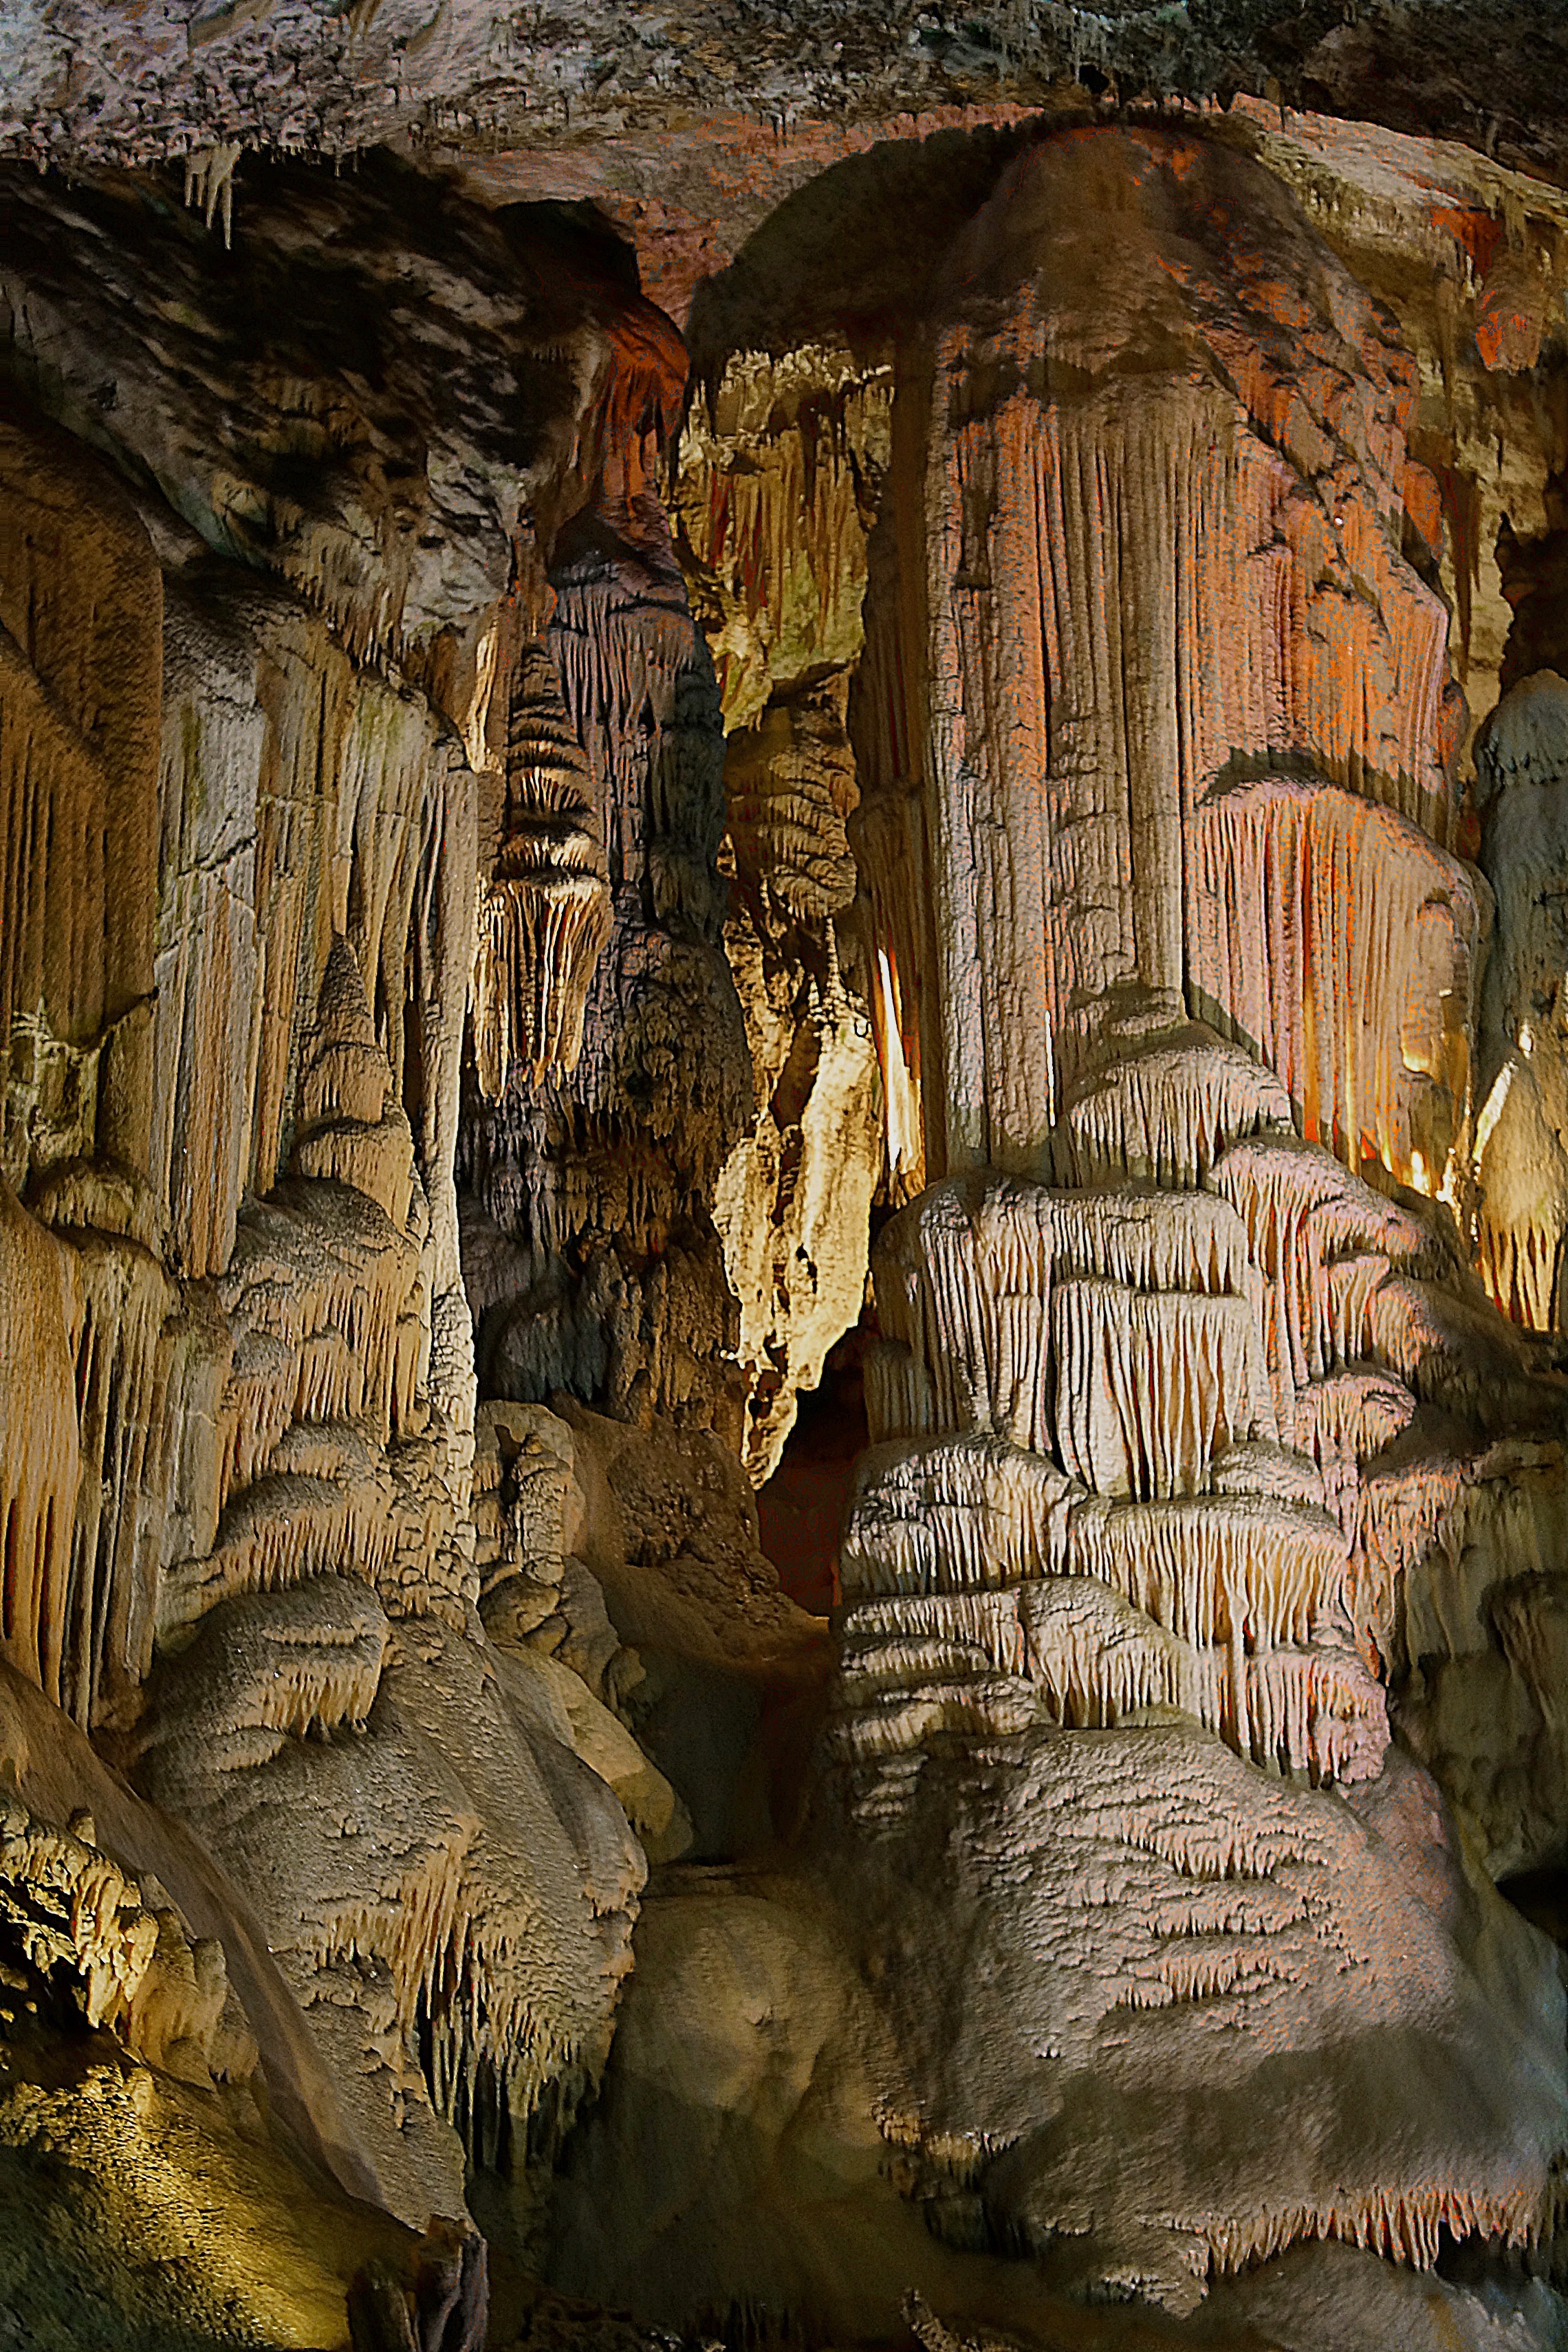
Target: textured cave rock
{"x":809,"y":708}
{"x":112,"y":83}
{"x":1184,"y":1393}
{"x":241,"y":1543}
{"x":779,"y":468}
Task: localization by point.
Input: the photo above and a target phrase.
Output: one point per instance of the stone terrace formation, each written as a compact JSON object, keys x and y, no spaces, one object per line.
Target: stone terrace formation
{"x":778,"y":844}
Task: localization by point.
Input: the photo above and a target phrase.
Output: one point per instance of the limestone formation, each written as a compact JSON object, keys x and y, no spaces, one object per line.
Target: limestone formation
{"x":240,"y":1539}
{"x":591,"y":1259}
{"x":950,"y":869}
{"x":780,"y":465}
{"x":546,"y":914}
{"x":1130,"y":1503}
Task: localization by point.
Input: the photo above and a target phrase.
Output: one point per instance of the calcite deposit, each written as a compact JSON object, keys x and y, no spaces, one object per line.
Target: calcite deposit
{"x":746,"y":762}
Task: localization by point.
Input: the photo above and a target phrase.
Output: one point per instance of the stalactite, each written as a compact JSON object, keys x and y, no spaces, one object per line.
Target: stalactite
{"x":81,"y":611}
{"x":1090,"y":790}
{"x":908,"y":1716}
{"x":1359,"y":1000}
{"x":1405,"y":2228}
{"x":1303,"y":1213}
{"x":773,"y":489}
{"x":309,"y":1665}
{"x":1216,"y":1569}
{"x":1453,"y":1351}
{"x":1164,"y":1113}
{"x":1522,"y":1172}
{"x":286,"y":1528}
{"x":882,"y":1638}
{"x":209,"y":182}
{"x":1129,"y":599}
{"x":316,"y":1292}
{"x":1150,"y":1384}
{"x":900,"y":1396}
{"x":210,"y":959}
{"x":346,"y":1129}
{"x":1350,"y":1415}
{"x":793,"y":1201}
{"x":777,"y":469}
{"x":40,"y":1463}
{"x":344,"y":863}
{"x":1342,"y":1423}
{"x":77,"y":1919}
{"x":125,"y":1357}
{"x":790,"y":786}
{"x":601,"y":1178}
{"x":1512,"y":308}
{"x":1097,"y":1659}
{"x":967,"y":1278}
{"x":973,"y":1512}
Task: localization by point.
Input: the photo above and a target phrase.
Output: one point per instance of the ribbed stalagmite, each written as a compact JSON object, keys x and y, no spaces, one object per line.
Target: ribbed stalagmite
{"x":545,"y":909}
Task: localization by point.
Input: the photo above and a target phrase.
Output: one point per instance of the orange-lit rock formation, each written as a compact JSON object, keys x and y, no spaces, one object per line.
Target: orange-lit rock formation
{"x":539,"y":902}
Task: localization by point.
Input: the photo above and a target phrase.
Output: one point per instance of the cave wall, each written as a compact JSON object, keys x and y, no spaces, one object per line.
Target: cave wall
{"x":274,"y":663}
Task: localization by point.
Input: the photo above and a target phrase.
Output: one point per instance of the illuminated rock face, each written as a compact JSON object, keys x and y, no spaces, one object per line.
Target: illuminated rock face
{"x":1122,"y":1571}
{"x":781,"y":464}
{"x":1162,"y":478}
{"x":241,"y":871}
{"x":506,"y":880}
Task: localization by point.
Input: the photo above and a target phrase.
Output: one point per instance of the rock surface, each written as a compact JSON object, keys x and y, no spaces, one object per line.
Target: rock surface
{"x":959,"y":864}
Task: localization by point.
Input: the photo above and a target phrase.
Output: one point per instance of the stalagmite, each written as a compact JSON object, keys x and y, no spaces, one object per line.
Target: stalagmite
{"x":431,"y":1836}
{"x":347,"y":1129}
{"x":545,"y":911}
{"x":1197,"y":952}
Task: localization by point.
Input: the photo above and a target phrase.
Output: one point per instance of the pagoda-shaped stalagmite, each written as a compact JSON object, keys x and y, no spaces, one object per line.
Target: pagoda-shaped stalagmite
{"x":545,"y":911}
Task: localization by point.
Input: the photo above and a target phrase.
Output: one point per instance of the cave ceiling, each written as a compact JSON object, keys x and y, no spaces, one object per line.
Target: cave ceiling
{"x":130,"y":80}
